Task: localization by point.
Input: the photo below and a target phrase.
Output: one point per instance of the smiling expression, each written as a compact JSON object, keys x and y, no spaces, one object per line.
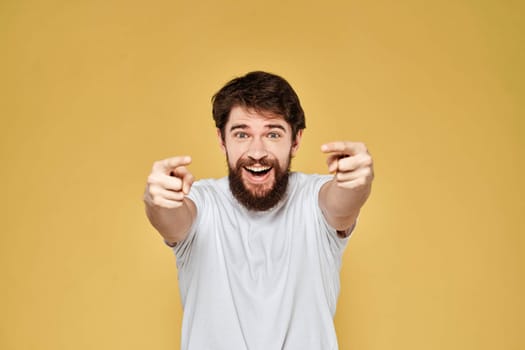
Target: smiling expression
{"x":258,"y":147}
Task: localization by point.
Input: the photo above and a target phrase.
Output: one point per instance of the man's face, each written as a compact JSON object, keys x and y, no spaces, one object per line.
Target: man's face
{"x":258,"y":147}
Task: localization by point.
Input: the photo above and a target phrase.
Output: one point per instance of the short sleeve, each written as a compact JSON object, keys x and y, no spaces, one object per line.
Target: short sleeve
{"x":336,"y":242}
{"x":183,"y":248}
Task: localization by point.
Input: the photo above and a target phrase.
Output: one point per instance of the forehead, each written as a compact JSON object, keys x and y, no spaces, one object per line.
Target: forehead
{"x":254,"y":118}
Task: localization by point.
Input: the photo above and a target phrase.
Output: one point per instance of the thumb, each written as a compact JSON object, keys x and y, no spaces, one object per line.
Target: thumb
{"x":187,"y":182}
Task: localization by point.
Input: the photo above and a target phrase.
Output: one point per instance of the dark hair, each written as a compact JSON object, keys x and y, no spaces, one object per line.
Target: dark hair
{"x":263,"y":92}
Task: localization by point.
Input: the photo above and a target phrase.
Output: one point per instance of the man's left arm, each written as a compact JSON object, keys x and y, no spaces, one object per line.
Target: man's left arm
{"x":341,"y":198}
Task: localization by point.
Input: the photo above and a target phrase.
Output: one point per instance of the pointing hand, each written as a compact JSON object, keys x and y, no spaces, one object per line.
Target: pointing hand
{"x":351,"y":164}
{"x":169,"y":182}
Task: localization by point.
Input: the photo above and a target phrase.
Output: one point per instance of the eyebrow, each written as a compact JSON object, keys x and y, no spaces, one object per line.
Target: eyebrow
{"x":268,"y":126}
{"x":276,"y":126}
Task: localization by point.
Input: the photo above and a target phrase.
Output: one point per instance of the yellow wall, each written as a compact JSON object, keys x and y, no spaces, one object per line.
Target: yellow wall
{"x":92,"y":92}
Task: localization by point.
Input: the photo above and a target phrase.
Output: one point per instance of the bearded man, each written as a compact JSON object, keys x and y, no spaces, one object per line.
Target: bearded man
{"x":259,"y":252}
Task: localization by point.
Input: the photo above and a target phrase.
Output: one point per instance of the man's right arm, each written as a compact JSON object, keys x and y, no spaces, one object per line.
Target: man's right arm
{"x":167,"y":207}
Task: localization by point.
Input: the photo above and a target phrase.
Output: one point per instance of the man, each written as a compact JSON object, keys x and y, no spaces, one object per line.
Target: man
{"x":259,"y":252}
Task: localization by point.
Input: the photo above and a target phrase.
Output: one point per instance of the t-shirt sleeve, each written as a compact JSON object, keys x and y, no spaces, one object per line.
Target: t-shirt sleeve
{"x":336,"y":242}
{"x":183,"y":248}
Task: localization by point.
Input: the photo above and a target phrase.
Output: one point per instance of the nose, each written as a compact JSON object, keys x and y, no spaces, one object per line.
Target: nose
{"x":257,"y":149}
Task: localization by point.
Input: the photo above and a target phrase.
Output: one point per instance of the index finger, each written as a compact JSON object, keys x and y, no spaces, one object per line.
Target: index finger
{"x":343,"y":147}
{"x":169,"y":164}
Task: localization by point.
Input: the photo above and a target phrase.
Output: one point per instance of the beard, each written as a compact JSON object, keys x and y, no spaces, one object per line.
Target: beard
{"x":260,"y":197}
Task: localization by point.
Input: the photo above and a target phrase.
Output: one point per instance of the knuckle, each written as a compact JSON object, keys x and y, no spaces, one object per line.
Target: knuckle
{"x":344,"y":185}
{"x":152,"y":179}
{"x":175,"y":204}
{"x":157,"y":201}
{"x":154,"y":191}
{"x":353,"y":185}
{"x":156,"y":165}
{"x":362,"y":146}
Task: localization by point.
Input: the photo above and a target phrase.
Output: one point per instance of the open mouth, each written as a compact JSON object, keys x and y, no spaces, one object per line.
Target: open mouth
{"x":258,"y":170}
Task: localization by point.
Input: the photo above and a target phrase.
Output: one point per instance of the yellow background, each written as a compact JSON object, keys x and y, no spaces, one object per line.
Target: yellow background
{"x":92,"y":92}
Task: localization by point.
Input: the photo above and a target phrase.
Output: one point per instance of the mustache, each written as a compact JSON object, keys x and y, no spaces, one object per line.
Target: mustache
{"x":245,"y":162}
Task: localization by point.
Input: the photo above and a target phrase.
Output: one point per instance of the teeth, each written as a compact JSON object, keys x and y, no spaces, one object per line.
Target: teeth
{"x":258,"y":169}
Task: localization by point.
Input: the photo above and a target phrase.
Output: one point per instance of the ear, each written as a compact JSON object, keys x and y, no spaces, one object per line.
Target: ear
{"x":297,"y":142}
{"x":221,"y":141}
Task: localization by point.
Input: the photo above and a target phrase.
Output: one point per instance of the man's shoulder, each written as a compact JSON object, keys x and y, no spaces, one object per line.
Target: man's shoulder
{"x":303,"y":185}
{"x":301,"y":179}
{"x":211,"y":182}
{"x":209,"y":187}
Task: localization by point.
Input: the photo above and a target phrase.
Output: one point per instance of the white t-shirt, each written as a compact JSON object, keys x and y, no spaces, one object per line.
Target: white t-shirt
{"x":259,"y":280}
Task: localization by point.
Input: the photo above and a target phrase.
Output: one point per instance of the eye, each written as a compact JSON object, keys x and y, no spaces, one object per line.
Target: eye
{"x":273,"y":135}
{"x":240,"y":135}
